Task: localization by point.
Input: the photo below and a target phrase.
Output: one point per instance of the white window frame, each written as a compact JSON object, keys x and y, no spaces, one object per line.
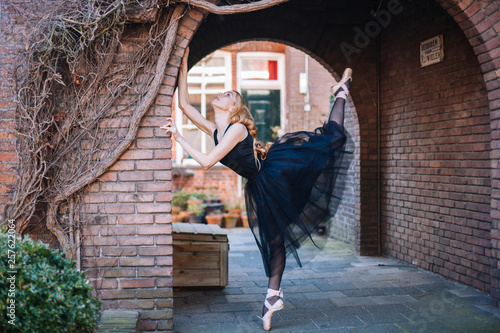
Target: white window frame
{"x":203,"y":91}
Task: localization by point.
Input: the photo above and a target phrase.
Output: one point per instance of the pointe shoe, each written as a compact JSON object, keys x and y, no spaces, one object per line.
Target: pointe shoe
{"x":271,"y":309}
{"x":346,"y":76}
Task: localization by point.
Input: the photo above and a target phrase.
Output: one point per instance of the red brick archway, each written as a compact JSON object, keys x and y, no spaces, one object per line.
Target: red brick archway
{"x":479,"y":22}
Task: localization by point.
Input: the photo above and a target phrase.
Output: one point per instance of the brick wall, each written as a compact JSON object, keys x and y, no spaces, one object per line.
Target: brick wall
{"x":220,"y":180}
{"x":435,"y":150}
{"x":480,"y":21}
{"x":320,"y":82}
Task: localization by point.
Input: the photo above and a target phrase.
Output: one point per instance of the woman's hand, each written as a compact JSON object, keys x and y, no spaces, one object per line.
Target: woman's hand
{"x":171,"y":128}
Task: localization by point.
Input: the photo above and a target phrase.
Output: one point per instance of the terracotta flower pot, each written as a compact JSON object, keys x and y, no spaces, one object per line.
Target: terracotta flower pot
{"x":177,"y":218}
{"x":214,"y":219}
{"x":230,"y":220}
{"x":184,"y":215}
{"x":234,"y":211}
{"x":176,"y":210}
{"x":244,"y":219}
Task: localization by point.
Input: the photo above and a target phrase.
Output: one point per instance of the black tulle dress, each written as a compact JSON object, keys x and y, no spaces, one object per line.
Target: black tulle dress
{"x":297,"y":188}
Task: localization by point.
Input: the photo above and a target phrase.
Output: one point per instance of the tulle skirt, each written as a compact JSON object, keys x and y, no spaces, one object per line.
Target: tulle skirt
{"x":298,"y":188}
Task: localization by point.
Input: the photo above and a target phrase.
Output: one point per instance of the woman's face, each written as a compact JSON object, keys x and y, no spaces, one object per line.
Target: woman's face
{"x":224,"y":101}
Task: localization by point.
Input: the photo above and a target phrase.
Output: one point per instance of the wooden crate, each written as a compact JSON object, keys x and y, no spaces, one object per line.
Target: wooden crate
{"x":200,"y":255}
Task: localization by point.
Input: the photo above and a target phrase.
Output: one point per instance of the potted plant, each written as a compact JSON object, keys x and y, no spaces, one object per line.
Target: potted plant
{"x":196,"y":208}
{"x":234,"y":206}
{"x":196,"y":196}
{"x":179,"y":207}
{"x":233,"y":211}
{"x":180,"y":200}
{"x":230,"y":220}
{"x":212,"y":198}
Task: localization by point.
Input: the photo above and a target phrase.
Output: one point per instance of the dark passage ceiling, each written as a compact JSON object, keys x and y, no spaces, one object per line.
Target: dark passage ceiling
{"x":316,"y":25}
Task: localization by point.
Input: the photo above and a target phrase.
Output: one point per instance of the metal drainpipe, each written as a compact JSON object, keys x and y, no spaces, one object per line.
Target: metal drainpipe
{"x":379,"y":167}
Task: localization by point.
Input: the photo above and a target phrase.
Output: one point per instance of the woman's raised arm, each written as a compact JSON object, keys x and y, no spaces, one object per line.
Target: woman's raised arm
{"x":190,"y":111}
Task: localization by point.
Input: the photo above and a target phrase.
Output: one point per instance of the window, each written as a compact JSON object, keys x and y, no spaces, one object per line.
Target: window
{"x":206,"y":79}
{"x":261,"y":81}
{"x":259,"y":69}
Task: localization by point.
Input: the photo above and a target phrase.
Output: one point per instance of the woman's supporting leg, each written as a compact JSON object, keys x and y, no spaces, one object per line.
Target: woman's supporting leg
{"x":274,"y":294}
{"x":276,"y":267}
{"x":277,"y":262}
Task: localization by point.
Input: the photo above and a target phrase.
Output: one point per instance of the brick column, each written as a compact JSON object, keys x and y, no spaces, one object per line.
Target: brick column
{"x":127,"y":250}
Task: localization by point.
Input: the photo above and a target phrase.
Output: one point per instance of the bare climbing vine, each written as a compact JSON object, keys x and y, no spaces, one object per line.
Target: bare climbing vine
{"x":70,"y":84}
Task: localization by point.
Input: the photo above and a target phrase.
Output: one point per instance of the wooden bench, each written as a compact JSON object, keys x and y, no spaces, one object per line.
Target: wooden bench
{"x":200,"y":255}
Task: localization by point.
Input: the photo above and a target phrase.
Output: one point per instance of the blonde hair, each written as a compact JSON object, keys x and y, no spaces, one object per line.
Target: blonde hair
{"x":241,"y":114}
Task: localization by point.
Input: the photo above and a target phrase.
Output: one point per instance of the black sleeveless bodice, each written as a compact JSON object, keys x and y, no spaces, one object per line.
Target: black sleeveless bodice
{"x":241,"y":158}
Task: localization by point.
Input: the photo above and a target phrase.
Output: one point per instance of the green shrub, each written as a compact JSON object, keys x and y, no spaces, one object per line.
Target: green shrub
{"x":50,"y":294}
{"x":197,"y":195}
{"x":180,"y":200}
{"x":196,"y":206}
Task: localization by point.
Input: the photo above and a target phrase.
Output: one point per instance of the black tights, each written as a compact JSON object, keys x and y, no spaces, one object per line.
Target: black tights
{"x":276,"y":267}
{"x":276,"y":262}
{"x":337,"y":112}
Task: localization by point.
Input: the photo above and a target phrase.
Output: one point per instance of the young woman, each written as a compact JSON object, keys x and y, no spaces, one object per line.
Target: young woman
{"x":290,"y":182}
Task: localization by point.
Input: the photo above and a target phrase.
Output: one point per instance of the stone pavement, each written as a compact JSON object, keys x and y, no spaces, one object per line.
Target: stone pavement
{"x":337,"y":291}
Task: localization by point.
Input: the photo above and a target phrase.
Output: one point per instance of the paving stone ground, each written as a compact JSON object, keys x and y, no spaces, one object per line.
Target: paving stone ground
{"x":336,"y":291}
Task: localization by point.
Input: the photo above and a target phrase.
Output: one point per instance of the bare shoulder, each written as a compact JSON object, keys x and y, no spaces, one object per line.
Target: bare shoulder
{"x":240,"y":127}
{"x":237,"y":131}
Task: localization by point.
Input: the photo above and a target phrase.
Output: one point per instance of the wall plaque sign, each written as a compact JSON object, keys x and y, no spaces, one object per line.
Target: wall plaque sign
{"x":431,"y":51}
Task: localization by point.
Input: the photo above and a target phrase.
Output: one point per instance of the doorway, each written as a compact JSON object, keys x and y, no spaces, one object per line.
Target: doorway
{"x":265,"y":106}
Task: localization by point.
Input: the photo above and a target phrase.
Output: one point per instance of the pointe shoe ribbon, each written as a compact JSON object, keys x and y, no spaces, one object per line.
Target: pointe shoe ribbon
{"x":347,"y":75}
{"x":271,"y":309}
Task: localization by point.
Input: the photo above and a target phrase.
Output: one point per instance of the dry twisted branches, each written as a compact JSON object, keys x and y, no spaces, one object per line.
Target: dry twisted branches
{"x":232,"y":9}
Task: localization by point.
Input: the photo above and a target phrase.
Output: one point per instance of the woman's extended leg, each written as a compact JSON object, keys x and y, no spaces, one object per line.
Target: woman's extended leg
{"x":341,"y":91}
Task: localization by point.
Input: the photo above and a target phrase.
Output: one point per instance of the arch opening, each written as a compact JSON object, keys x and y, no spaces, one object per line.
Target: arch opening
{"x":296,"y":89}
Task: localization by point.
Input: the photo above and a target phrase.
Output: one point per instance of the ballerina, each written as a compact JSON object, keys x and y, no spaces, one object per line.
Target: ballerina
{"x":290,"y":182}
